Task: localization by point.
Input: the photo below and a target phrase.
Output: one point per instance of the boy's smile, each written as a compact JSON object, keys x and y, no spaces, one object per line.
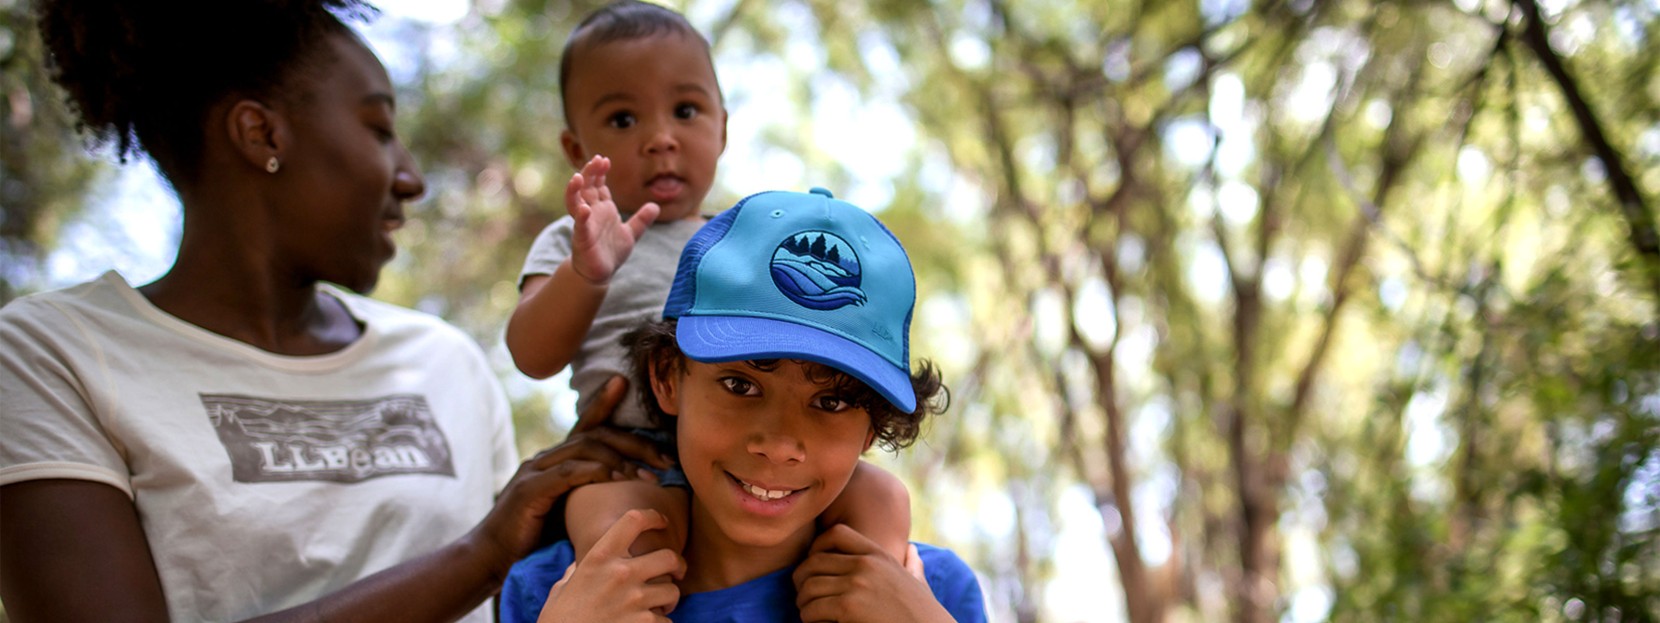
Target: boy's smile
{"x":653,"y":106}
{"x":766,"y":449}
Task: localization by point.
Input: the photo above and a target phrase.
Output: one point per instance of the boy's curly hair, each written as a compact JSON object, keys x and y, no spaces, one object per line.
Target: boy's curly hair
{"x":652,"y":348}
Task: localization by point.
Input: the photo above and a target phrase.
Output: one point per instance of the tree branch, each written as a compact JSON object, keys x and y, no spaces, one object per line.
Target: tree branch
{"x":1644,"y":240}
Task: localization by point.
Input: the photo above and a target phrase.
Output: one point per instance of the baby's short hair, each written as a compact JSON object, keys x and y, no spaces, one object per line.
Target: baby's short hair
{"x":623,"y":20}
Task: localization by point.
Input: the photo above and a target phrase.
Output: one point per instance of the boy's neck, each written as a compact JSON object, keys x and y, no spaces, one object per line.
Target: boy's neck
{"x":714,"y":561}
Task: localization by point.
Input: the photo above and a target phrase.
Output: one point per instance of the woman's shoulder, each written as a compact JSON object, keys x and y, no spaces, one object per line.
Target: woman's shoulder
{"x":72,"y":310}
{"x":100,"y":292}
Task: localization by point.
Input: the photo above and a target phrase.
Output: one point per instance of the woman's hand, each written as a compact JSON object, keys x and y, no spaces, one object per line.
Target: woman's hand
{"x":608,"y":585}
{"x":848,"y":578}
{"x":592,"y":453}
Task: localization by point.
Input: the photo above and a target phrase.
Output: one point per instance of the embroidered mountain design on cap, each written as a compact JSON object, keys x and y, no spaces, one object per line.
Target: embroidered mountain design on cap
{"x":818,"y":270}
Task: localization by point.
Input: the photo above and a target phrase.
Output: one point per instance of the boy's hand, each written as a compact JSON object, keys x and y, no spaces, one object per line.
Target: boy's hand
{"x":610,"y":585}
{"x":849,"y":578}
{"x":602,"y":239}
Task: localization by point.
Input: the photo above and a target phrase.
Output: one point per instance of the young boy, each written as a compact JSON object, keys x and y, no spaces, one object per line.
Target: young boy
{"x":784,"y":355}
{"x":646,"y":126}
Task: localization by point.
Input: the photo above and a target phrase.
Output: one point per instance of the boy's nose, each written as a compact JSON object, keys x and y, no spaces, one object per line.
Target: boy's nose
{"x":777,"y":447}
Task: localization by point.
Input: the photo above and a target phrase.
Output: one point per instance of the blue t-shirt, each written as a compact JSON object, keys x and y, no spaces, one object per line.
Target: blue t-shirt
{"x":766,"y":599}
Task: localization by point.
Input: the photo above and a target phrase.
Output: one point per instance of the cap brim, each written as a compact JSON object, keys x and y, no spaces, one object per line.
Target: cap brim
{"x":713,"y":339}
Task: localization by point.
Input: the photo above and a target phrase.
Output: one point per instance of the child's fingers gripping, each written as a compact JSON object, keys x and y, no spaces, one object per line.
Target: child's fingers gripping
{"x":826,"y":563}
{"x":819,"y":594}
{"x":846,"y":540}
{"x":660,"y":563}
{"x":822,"y":575}
{"x":614,"y":543}
{"x":913,"y":562}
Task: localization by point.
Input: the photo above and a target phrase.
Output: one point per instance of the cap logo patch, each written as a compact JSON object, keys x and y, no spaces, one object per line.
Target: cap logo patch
{"x":817,"y":270}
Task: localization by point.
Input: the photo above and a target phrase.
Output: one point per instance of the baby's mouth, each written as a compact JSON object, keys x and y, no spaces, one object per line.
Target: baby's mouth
{"x":665,"y":187}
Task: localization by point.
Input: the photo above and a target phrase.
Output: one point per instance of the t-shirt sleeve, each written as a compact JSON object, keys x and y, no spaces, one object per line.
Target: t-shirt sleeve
{"x":953,"y":583}
{"x":551,"y":248}
{"x":528,"y":582}
{"x":49,"y":417}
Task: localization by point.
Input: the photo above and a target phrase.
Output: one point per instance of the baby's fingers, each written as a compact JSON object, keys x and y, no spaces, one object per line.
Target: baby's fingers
{"x":643,"y":218}
{"x":574,"y":203}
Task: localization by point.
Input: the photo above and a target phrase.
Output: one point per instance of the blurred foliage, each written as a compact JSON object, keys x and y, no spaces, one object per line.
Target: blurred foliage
{"x":42,"y":180}
{"x":1329,"y":309}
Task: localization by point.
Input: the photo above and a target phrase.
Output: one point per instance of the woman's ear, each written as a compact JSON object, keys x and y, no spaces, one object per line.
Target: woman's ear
{"x":256,"y":132}
{"x":663,"y":386}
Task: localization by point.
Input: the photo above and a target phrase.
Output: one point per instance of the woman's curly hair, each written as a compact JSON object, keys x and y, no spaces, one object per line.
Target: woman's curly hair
{"x":652,"y":348}
{"x":143,"y":75}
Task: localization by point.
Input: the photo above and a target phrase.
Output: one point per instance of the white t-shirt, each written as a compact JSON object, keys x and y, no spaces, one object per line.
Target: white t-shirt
{"x":262,"y":481}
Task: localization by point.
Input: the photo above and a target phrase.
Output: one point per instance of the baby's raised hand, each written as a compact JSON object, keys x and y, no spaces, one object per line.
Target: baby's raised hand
{"x":602,"y":240}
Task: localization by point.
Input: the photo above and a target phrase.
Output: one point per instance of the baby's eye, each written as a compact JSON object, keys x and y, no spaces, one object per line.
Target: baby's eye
{"x":621,"y":120}
{"x":832,"y":404}
{"x":685,"y":111}
{"x":741,"y":387}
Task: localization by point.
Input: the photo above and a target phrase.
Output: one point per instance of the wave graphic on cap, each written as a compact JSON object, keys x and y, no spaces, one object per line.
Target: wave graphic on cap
{"x":812,"y":269}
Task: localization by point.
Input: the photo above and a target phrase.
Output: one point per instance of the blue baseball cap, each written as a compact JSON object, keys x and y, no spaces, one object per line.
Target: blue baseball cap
{"x":786,"y":275}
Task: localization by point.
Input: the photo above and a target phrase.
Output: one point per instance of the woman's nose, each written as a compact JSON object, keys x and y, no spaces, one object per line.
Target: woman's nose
{"x":407,"y":183}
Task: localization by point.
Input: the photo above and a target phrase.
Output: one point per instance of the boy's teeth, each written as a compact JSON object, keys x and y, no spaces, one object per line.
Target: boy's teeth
{"x":763,"y":493}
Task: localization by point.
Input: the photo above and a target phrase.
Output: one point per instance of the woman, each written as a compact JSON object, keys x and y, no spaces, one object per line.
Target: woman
{"x":239,"y":438}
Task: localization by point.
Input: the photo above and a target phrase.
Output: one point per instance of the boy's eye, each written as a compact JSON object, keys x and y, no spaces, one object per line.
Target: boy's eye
{"x":621,"y":120}
{"x":741,"y":387}
{"x":832,"y":404}
{"x":685,"y":111}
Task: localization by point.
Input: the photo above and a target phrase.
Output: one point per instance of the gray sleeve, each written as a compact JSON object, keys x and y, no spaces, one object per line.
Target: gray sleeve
{"x":551,"y":248}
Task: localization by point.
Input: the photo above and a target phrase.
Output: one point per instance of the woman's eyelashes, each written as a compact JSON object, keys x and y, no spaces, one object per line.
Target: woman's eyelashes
{"x":380,"y":123}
